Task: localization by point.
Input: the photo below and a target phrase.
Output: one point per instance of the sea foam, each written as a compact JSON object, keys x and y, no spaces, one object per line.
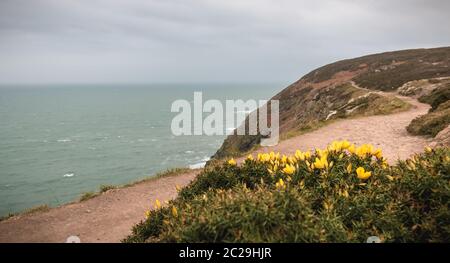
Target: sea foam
{"x":69,"y":175}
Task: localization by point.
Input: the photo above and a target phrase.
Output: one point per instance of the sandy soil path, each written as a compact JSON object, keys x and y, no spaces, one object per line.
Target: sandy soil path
{"x":106,"y":218}
{"x":109,"y":217}
{"x":385,"y":131}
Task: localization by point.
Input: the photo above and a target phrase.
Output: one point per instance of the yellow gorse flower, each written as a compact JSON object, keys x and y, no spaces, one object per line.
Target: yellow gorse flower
{"x":345,"y":194}
{"x":307,"y":155}
{"x":157,"y":204}
{"x":338,"y":146}
{"x":232,"y":162}
{"x":147,"y":213}
{"x":411,"y":165}
{"x":273,"y":170}
{"x":284,"y":159}
{"x":346,"y":144}
{"x":292,"y":160}
{"x":280,"y":184}
{"x":349,"y":168}
{"x":264,"y":157}
{"x":336,"y":154}
{"x":364,"y":150}
{"x":299,"y":155}
{"x":322,"y":153}
{"x":321,"y":163}
{"x":378,"y":153}
{"x":335,"y":146}
{"x":289,"y":169}
{"x":351,"y":148}
{"x":362,"y":174}
{"x":174,"y":211}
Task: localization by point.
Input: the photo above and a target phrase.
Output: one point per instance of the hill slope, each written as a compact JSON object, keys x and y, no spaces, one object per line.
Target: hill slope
{"x":338,"y":91}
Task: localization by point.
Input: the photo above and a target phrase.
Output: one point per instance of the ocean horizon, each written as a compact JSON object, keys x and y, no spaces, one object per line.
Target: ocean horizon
{"x":59,"y":141}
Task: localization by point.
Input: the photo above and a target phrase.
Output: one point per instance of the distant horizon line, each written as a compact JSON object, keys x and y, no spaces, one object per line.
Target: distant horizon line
{"x":142,"y":83}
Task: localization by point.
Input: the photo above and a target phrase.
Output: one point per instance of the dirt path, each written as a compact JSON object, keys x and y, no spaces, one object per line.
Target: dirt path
{"x":109,"y":217}
{"x":106,"y":218}
{"x":385,"y":131}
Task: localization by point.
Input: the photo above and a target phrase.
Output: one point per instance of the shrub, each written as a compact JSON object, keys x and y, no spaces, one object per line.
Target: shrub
{"x":437,"y":96}
{"x":340,"y":194}
{"x":105,"y":188}
{"x":431,"y":123}
{"x":88,"y":195}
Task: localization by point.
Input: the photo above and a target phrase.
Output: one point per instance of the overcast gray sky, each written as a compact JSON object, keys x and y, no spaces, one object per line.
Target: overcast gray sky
{"x":144,"y":41}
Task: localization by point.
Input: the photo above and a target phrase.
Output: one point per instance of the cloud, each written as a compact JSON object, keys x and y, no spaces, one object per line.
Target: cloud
{"x":85,"y":41}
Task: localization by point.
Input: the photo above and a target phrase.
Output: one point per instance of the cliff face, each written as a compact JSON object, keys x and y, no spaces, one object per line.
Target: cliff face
{"x":348,"y":88}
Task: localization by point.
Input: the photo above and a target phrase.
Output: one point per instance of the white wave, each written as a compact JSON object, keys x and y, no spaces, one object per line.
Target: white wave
{"x":200,"y":164}
{"x":189,"y":152}
{"x":69,"y":175}
{"x":197,"y":165}
{"x":64,"y":140}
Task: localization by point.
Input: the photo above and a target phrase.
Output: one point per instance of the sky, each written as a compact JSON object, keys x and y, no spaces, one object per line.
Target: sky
{"x":202,"y":41}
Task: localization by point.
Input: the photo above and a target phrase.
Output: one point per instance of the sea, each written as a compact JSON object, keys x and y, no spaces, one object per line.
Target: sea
{"x":59,"y":141}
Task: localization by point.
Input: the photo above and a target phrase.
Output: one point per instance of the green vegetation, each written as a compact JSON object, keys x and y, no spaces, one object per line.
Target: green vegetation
{"x":438,"y":118}
{"x":36,"y":209}
{"x":390,"y":70}
{"x":431,"y":123}
{"x":39,"y":208}
{"x":104,"y":188}
{"x":375,"y":104}
{"x":340,"y":194}
{"x":88,"y":195}
{"x":438,"y":96}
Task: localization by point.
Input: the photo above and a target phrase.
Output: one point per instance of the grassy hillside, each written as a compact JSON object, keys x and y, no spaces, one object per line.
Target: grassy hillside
{"x":438,"y":118}
{"x":342,"y":193}
{"x":326,"y":93}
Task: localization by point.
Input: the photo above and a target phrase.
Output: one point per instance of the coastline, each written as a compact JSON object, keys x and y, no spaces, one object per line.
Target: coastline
{"x":85,"y":196}
{"x":108,"y":217}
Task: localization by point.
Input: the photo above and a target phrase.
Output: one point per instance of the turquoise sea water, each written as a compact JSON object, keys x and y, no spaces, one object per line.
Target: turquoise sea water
{"x":59,"y":141}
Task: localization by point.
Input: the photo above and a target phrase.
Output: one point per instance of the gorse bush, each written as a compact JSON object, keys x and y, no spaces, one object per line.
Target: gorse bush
{"x":342,"y":193}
